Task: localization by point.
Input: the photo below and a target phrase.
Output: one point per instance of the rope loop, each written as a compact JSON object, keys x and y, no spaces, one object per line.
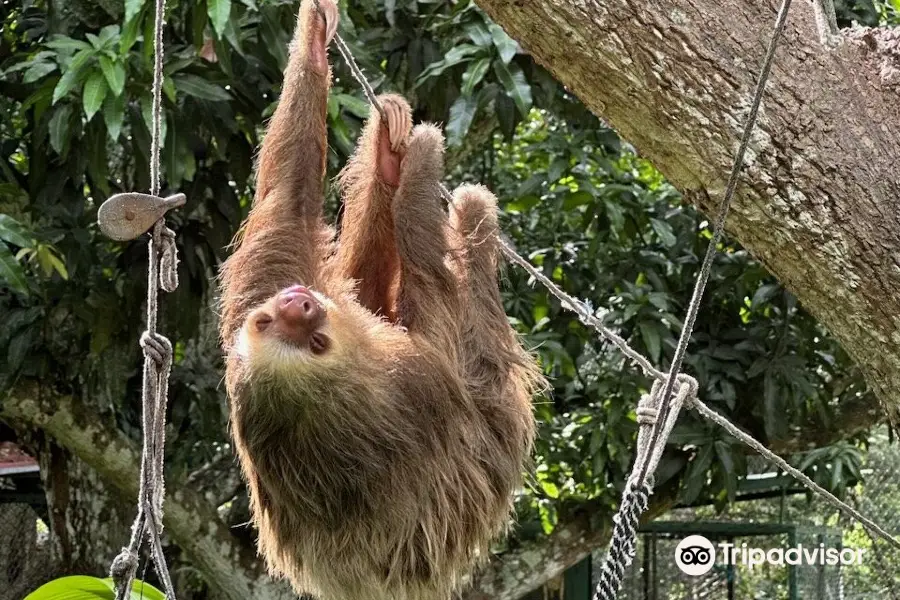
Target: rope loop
{"x":157,"y":348}
{"x":688,"y":389}
{"x":168,"y":260}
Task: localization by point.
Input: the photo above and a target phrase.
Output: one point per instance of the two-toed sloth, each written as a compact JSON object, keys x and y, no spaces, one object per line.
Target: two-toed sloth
{"x":380,"y":401}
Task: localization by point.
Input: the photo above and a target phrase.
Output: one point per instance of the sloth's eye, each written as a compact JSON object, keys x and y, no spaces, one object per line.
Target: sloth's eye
{"x":318,"y":343}
{"x":262,"y":322}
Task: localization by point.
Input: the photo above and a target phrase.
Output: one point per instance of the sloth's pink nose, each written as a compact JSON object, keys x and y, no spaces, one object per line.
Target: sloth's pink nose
{"x":298,"y":307}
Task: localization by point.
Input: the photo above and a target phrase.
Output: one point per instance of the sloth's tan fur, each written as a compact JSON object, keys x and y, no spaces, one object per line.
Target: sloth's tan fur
{"x":383,"y":468}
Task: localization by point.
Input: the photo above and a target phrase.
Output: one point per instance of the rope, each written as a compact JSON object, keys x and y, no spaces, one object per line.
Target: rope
{"x":162,"y":272}
{"x":624,"y":537}
{"x":648,"y":457}
{"x":650,"y":413}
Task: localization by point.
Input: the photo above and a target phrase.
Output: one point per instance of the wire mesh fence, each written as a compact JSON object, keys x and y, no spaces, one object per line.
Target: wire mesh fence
{"x":25,"y":562}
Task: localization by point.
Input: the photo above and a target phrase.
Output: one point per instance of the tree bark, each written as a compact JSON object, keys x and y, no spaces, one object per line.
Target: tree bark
{"x":818,"y":200}
{"x":232,"y":569}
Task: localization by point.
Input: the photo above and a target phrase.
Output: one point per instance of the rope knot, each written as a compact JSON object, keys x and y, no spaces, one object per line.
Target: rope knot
{"x":168,"y":260}
{"x":688,"y":389}
{"x":157,"y":348}
{"x":124,"y":566}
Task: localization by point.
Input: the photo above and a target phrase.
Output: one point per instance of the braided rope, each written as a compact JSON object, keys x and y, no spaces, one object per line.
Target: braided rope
{"x":623,"y":542}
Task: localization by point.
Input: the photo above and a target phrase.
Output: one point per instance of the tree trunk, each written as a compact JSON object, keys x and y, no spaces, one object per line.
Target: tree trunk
{"x":818,"y":200}
{"x":231,"y":568}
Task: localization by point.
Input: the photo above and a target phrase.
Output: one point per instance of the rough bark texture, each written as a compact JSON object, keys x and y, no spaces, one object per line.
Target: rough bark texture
{"x":231,"y":568}
{"x":818,"y":204}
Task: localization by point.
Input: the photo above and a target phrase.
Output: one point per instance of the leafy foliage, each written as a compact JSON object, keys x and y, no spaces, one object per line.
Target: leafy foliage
{"x":577,"y":200}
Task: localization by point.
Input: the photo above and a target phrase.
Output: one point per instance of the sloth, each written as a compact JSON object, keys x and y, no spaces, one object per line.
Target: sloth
{"x":380,"y":402}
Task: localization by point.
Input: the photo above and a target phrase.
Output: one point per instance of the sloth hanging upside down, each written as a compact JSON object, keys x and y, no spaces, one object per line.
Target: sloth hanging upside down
{"x":380,"y":401}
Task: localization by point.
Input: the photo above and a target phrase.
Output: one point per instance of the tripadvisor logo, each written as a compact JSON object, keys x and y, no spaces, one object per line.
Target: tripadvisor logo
{"x":696,"y":555}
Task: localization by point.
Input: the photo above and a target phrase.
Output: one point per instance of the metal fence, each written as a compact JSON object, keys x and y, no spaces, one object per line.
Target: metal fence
{"x":25,"y":557}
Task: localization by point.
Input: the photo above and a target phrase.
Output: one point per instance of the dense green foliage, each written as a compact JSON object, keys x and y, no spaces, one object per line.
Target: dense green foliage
{"x":576,"y":200}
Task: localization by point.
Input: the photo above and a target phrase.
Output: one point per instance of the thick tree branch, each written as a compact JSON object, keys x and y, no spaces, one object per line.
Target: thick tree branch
{"x":819,"y":203}
{"x":231,"y":568}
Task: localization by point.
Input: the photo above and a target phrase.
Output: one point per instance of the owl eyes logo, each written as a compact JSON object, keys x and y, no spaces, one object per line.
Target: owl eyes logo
{"x":695,"y":555}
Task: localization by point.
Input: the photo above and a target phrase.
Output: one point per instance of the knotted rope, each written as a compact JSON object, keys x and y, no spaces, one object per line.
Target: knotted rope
{"x":126,"y":216}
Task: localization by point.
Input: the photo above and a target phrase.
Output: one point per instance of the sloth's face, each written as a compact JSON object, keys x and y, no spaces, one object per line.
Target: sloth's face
{"x":299,"y":332}
{"x":295,"y":319}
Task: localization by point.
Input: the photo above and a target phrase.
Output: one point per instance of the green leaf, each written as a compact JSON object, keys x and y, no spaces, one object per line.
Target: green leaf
{"x":478,"y":33}
{"x":353,"y":105}
{"x":664,"y":231}
{"x":219,"y":12}
{"x":576,"y":199}
{"x":763,"y":294}
{"x":615,"y":214}
{"x":192,"y":85}
{"x":38,"y":71}
{"x":147,"y":114}
{"x":473,"y":75}
{"x":114,"y":115}
{"x":94,"y":93}
{"x":13,"y":232}
{"x":11,"y":272}
{"x":114,"y":71}
{"x":59,"y":129}
{"x":506,"y":46}
{"x":523,"y":204}
{"x":132,"y":8}
{"x":108,"y":34}
{"x":650,"y":335}
{"x":95,"y":41}
{"x":550,"y":489}
{"x":67,"y":44}
{"x":461,"y":114}
{"x":18,"y":349}
{"x":506,"y":115}
{"x":513,"y":79}
{"x":132,"y":28}
{"x":455,"y":56}
{"x":80,"y":587}
{"x":557,"y":168}
{"x":72,"y":75}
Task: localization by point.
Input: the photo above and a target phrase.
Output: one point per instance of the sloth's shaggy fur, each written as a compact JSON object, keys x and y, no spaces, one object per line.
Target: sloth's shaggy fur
{"x":382,"y":468}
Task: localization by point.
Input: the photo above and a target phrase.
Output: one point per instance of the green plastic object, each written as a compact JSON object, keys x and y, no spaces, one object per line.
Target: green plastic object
{"x":82,"y":587}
